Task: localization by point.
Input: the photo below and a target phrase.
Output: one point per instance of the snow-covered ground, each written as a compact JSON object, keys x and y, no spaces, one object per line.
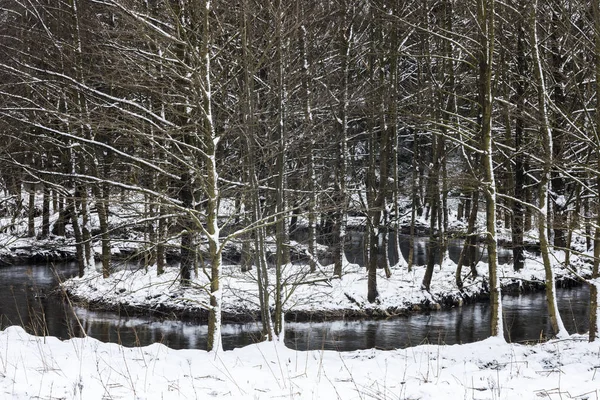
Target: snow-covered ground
{"x":46,"y":368}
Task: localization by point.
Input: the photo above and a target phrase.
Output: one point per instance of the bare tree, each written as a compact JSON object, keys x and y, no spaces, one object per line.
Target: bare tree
{"x":486,"y":21}
{"x":546,"y":136}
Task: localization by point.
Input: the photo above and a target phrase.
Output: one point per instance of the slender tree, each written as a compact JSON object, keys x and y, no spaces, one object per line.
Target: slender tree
{"x":486,"y":21}
{"x":594,"y":287}
{"x":547,"y":141}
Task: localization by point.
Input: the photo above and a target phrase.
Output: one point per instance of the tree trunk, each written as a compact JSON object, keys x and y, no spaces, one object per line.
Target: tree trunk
{"x":211,"y":140}
{"x":485,"y":13}
{"x":519,"y":169}
{"x":341,"y":195}
{"x":415,"y":200}
{"x":434,"y":201}
{"x":573,"y":224}
{"x":311,"y":168}
{"x":31,"y":212}
{"x":469,"y":251}
{"x":101,"y":192}
{"x":557,"y":200}
{"x":85,"y":224}
{"x":46,"y":212}
{"x":547,"y":156}
{"x":282,"y":226}
{"x":594,"y":289}
{"x":187,"y":251}
{"x":161,"y":235}
{"x":79,"y":250}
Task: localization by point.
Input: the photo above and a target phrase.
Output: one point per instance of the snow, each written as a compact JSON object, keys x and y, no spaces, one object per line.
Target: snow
{"x":560,"y":201}
{"x":85,"y":368}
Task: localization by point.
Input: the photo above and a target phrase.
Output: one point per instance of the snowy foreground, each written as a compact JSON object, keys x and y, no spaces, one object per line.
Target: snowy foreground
{"x":85,"y":368}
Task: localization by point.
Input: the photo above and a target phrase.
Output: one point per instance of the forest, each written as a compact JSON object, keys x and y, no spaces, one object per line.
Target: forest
{"x":300,"y":118}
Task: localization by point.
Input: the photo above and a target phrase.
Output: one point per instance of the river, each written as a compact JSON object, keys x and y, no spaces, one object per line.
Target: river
{"x":27,"y":298}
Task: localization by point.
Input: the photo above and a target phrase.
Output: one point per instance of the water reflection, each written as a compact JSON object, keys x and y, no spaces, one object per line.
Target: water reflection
{"x":355,"y":249}
{"x":27,"y":299}
{"x":136,"y":331}
{"x":525,"y":320}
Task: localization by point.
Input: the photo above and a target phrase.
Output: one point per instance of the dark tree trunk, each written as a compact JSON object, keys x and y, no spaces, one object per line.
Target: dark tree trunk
{"x":187,"y":249}
{"x":31,"y":212}
{"x":46,"y":212}
{"x":519,"y":169}
{"x":468,"y":253}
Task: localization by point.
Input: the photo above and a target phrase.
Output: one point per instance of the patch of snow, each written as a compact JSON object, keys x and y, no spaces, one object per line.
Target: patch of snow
{"x":45,"y":367}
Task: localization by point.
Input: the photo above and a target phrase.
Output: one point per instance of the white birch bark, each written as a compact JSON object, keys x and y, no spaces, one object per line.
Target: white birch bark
{"x":212,"y":193}
{"x":546,"y":136}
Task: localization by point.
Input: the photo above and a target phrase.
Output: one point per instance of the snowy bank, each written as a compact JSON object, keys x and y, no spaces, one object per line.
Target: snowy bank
{"x":309,"y":296}
{"x":85,"y":368}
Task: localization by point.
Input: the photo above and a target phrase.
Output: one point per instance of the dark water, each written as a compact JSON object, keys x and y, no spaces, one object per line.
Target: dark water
{"x":26,"y":299}
{"x":525,"y":319}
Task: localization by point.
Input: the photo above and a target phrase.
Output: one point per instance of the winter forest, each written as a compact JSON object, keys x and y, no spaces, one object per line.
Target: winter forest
{"x":254,"y":137}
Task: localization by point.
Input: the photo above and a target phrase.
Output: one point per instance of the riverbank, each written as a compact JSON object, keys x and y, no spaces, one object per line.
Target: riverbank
{"x":310,"y":296}
{"x":85,"y":368}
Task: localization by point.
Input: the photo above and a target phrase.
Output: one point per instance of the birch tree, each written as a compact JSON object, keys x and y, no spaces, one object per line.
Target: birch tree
{"x":547,"y":142}
{"x":346,"y":38}
{"x":486,"y":21}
